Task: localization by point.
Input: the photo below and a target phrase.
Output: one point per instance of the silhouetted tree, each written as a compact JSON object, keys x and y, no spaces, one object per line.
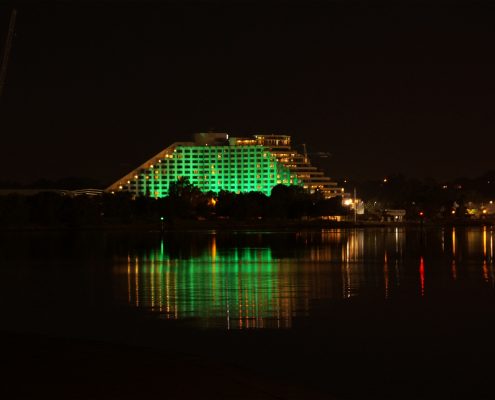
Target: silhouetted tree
{"x":184,"y":198}
{"x":332,"y":206}
{"x":289,"y":201}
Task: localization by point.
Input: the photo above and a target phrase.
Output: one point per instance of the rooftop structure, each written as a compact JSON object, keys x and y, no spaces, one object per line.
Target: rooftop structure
{"x":215,"y":162}
{"x":300,"y":166}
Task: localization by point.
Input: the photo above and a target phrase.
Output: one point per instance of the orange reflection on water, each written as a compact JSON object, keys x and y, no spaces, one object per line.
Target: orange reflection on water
{"x":453,"y":242}
{"x":484,"y":242}
{"x":485,"y":267}
{"x":213,"y":248}
{"x":491,"y":258}
{"x":485,"y":271}
{"x":491,"y":246}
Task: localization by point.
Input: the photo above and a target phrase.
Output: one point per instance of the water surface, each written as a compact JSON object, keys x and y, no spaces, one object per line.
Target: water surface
{"x":237,"y":280}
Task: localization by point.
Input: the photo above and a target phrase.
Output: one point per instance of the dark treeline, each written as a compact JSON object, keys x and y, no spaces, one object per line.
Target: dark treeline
{"x":435,"y":199}
{"x":185,"y":202}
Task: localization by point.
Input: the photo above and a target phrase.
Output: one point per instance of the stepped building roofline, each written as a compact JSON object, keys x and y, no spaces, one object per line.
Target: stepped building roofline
{"x":215,"y":161}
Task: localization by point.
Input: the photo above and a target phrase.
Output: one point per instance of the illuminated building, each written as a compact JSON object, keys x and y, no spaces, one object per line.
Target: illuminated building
{"x":299,"y":164}
{"x":215,"y":162}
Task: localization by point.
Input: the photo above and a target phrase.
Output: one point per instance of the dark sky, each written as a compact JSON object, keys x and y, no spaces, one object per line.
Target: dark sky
{"x":95,"y":88}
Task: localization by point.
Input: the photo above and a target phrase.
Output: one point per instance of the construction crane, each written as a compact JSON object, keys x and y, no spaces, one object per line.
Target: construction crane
{"x":321,"y":154}
{"x":6,"y":50}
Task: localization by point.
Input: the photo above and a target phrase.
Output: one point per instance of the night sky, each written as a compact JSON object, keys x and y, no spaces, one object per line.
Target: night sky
{"x":95,"y":88}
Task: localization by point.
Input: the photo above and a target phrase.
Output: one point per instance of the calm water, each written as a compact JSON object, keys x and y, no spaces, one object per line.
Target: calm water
{"x":235,"y":280}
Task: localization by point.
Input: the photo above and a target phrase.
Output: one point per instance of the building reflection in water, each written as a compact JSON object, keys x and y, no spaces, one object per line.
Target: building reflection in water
{"x":267,"y":280}
{"x":244,"y":287}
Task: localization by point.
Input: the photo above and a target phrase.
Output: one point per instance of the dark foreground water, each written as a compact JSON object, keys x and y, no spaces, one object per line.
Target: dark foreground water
{"x":375,"y":306}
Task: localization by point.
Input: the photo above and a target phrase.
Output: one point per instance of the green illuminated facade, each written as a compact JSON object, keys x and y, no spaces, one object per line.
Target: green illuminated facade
{"x":215,"y":162}
{"x":214,"y":168}
{"x":210,"y":167}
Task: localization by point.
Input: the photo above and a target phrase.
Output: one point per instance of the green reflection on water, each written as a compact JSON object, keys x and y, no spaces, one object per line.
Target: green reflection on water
{"x":233,"y":288}
{"x":246,"y":287}
{"x":260,"y":284}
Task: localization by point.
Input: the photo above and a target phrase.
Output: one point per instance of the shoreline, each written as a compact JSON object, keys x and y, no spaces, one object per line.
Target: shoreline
{"x":229,"y":225}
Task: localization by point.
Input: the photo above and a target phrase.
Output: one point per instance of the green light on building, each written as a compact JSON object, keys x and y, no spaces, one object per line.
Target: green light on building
{"x":213,"y":162}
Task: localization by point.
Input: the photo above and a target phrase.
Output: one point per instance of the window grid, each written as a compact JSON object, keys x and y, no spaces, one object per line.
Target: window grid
{"x":215,"y":168}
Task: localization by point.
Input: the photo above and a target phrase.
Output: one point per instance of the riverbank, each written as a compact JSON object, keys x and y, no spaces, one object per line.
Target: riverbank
{"x":266,"y":225}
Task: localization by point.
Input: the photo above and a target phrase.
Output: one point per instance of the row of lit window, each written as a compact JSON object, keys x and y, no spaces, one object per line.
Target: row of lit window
{"x":232,"y":182}
{"x":231,"y":164}
{"x":218,"y":170}
{"x":245,"y":159}
{"x":206,"y":172}
{"x":244,"y":187}
{"x":219,"y":149}
{"x":227,"y":181}
{"x":206,"y":177}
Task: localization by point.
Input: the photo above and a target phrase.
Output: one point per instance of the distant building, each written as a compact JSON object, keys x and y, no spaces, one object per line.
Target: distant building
{"x":394,"y":215}
{"x":215,"y":162}
{"x":489,"y":208}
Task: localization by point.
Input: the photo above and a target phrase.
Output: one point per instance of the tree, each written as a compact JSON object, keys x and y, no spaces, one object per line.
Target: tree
{"x":184,"y":198}
{"x":290,"y":201}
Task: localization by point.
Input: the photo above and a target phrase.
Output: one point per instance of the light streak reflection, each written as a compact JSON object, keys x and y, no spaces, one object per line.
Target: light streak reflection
{"x":249,"y":286}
